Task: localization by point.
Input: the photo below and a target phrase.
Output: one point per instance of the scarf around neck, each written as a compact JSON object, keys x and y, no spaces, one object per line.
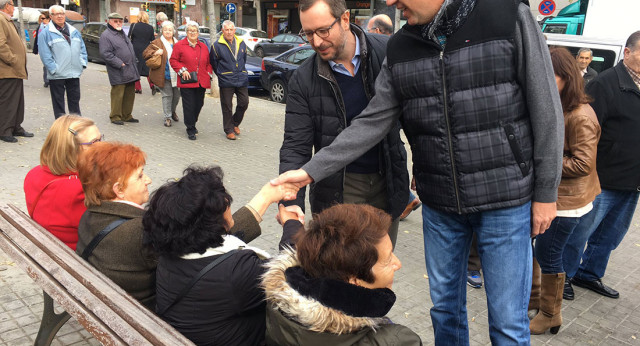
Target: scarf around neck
{"x":168,"y":47}
{"x":449,"y":18}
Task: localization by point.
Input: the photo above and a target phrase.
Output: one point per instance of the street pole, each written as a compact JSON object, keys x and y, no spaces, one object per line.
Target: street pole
{"x":256,"y":4}
{"x":20,"y":23}
{"x":211,"y":13}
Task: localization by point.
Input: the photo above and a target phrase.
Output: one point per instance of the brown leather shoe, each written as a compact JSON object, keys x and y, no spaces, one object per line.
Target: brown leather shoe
{"x":174,"y":116}
{"x":413,"y":205}
{"x":236,"y":130}
{"x":231,"y":136}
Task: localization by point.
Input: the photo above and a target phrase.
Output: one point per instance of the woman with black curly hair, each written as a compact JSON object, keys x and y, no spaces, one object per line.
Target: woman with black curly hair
{"x":207,"y":279}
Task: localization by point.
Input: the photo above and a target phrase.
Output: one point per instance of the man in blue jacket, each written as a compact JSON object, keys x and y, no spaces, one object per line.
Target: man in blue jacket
{"x":227,"y":57}
{"x":63,"y":53}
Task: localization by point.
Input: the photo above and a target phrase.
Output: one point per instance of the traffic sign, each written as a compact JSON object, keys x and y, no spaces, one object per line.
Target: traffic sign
{"x":231,"y":7}
{"x":547,"y":7}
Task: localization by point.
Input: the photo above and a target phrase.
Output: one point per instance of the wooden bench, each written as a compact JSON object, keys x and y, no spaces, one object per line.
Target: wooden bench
{"x":99,"y":305}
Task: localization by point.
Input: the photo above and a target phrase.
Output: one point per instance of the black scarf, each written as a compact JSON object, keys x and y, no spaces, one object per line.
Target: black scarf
{"x":449,"y":18}
{"x":353,"y":300}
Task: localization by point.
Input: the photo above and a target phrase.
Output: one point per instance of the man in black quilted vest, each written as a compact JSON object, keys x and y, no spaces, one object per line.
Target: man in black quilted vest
{"x":325,"y":93}
{"x":471,"y":82}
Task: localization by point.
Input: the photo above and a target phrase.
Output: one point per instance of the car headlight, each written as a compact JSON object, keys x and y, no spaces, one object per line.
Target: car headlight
{"x":250,"y":73}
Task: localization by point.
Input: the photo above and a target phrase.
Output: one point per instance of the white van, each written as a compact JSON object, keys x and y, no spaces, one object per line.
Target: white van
{"x":607,"y":52}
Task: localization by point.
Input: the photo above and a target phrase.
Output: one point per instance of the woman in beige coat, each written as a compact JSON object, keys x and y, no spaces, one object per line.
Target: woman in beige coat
{"x":164,"y":77}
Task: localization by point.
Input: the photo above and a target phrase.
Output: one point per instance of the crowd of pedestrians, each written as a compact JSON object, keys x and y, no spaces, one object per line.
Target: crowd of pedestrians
{"x":549,"y":155}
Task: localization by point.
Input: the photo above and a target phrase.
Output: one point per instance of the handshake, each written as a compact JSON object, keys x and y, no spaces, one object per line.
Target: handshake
{"x":283,"y":188}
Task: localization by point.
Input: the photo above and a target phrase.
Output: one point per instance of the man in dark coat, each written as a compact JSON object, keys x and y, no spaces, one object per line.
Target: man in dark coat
{"x":117,"y":52}
{"x":616,"y":101}
{"x":328,"y":90}
{"x":228,"y":57}
{"x":584,"y":57}
{"x":472,"y":83}
{"x":13,"y":70}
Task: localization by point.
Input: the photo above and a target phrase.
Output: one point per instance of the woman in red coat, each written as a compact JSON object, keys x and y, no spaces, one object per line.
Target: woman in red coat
{"x":190,"y":60}
{"x":53,"y":191}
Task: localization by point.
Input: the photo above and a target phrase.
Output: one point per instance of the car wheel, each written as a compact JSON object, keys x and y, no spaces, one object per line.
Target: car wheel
{"x":278,"y":91}
{"x":260,"y":52}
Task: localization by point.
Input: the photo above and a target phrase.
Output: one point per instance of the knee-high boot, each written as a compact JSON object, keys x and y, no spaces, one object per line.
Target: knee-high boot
{"x":534,"y":299}
{"x":550,"y":314}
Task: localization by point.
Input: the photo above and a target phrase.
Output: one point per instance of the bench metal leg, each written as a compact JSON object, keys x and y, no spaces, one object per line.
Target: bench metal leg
{"x":51,"y":322}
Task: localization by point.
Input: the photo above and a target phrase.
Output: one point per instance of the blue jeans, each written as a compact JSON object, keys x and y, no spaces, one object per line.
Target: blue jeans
{"x":604,"y":227}
{"x":504,"y":245}
{"x":550,"y":245}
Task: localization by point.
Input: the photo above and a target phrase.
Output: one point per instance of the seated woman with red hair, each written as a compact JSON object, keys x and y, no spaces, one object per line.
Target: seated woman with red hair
{"x":115,"y":187}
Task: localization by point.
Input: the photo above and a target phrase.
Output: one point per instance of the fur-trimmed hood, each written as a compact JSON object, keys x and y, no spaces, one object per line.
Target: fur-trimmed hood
{"x":310,"y":312}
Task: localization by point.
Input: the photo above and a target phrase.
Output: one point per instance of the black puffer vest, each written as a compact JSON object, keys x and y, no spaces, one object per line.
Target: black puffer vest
{"x":465,"y":113}
{"x":322,"y":101}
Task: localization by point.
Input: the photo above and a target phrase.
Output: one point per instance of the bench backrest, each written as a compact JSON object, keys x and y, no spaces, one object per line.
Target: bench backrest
{"x":99,"y":305}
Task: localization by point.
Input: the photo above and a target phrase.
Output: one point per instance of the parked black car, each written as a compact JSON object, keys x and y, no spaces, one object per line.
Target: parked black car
{"x":91,"y":37}
{"x":278,"y":44}
{"x":254,"y":69}
{"x":277,"y":71}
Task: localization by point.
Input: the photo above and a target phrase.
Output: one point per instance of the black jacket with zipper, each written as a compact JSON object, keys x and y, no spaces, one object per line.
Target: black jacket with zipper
{"x":315,"y":115}
{"x":616,"y":101}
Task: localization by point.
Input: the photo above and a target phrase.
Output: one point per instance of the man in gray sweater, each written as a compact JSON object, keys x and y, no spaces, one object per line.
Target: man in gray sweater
{"x":472,"y":84}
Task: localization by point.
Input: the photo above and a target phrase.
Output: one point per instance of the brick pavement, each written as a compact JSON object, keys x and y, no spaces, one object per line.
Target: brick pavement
{"x":248,"y":163}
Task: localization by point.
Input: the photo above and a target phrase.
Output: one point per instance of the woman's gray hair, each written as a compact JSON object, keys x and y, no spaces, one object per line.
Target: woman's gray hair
{"x":192,"y":23}
{"x":161,"y":17}
{"x":168,"y":24}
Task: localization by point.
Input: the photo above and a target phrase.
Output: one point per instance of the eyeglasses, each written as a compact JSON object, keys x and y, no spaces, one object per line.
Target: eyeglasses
{"x":322,"y":32}
{"x":373,"y":30}
{"x":57,"y":14}
{"x":94,"y":141}
{"x":75,"y":133}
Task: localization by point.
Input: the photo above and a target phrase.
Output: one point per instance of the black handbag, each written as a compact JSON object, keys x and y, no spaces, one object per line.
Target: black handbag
{"x":193,"y":79}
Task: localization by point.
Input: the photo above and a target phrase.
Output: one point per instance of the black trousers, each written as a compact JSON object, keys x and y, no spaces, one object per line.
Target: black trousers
{"x":11,"y":106}
{"x":229,"y":119}
{"x":192,"y":102}
{"x":57,"y":88}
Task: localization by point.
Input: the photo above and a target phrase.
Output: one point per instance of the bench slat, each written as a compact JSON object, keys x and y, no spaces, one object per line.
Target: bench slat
{"x":75,"y":308}
{"x":94,"y":290}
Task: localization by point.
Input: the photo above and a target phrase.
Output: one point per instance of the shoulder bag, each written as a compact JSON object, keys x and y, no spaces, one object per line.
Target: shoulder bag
{"x":195,"y":279}
{"x":101,"y":235}
{"x":155,"y":61}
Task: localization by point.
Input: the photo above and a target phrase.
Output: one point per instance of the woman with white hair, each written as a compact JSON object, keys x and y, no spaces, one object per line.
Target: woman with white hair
{"x":163,"y":76}
{"x":190,"y":60}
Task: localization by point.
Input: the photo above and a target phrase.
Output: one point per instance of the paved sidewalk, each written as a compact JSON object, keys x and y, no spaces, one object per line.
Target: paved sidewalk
{"x":250,"y":162}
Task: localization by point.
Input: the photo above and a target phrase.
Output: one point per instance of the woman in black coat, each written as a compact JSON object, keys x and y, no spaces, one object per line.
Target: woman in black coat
{"x":141,"y":34}
{"x":190,"y":226}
